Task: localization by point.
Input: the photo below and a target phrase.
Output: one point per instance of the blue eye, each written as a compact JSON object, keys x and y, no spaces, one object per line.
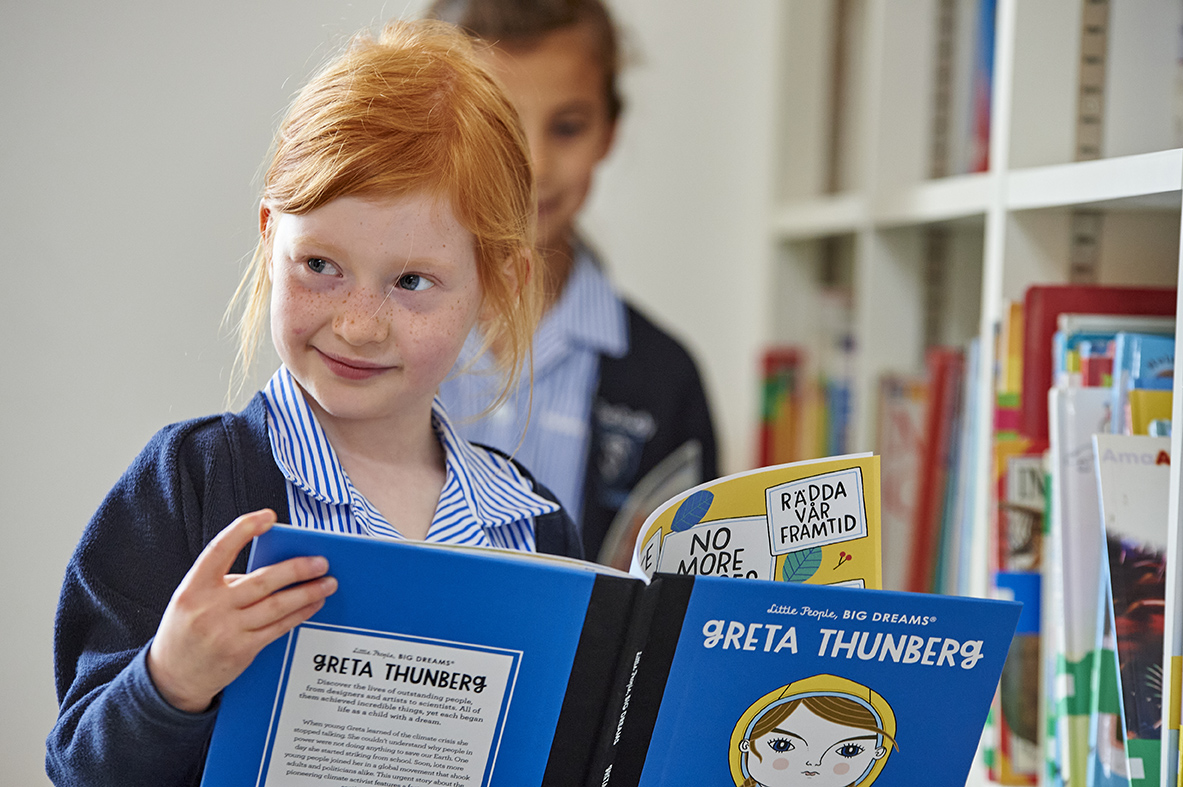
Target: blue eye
{"x":849,"y":750}
{"x":781,"y":745}
{"x":414,"y":282}
{"x":318,"y":265}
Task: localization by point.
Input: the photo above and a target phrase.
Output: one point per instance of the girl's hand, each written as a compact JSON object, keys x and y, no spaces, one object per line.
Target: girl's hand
{"x":216,"y":622}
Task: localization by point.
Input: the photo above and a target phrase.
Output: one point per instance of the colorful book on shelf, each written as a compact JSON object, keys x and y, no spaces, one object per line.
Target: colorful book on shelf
{"x":815,"y":521}
{"x":1074,"y":571}
{"x":1055,"y":772}
{"x":1146,"y":409}
{"x":1042,"y":306}
{"x":1081,"y":336}
{"x":1107,"y":741}
{"x":465,"y":667}
{"x":946,"y":370}
{"x":958,"y":558}
{"x":781,"y":410}
{"x":1019,"y":537}
{"x":1133,"y":474}
{"x":900,"y":444}
{"x":1014,"y":539}
{"x":983,"y":86}
{"x":1143,"y":362}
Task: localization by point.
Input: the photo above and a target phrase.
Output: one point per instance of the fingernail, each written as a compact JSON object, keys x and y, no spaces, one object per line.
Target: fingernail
{"x":320,"y":564}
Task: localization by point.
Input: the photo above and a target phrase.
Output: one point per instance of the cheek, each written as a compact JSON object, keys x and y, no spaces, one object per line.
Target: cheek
{"x":295,"y":312}
{"x":780,"y":763}
{"x":842,"y":768}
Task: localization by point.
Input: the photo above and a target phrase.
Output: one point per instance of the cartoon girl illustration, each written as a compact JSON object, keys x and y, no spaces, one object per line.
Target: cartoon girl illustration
{"x":822,"y":731}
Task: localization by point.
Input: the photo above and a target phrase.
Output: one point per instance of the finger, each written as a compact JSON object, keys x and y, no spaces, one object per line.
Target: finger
{"x":264,"y":581}
{"x":281,"y":605}
{"x":278,"y":628}
{"x":216,"y":559}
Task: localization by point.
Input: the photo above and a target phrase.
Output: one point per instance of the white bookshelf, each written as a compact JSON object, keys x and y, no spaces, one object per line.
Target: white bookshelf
{"x":1008,"y":227}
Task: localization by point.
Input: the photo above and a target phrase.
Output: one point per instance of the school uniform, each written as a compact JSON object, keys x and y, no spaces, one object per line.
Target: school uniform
{"x":612,"y":395}
{"x":191,"y":481}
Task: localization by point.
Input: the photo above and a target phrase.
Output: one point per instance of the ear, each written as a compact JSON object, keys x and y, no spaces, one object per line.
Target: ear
{"x":264,"y":218}
{"x":744,"y":745}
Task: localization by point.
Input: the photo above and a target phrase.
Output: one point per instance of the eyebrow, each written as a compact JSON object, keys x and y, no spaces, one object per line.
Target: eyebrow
{"x":308,"y":239}
{"x":789,"y":732}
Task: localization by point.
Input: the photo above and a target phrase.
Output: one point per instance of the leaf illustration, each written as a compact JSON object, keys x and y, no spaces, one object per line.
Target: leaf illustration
{"x":802,"y":564}
{"x":692,"y":510}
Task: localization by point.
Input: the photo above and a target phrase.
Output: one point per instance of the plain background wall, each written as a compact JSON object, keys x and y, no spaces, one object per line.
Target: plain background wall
{"x":131,"y":137}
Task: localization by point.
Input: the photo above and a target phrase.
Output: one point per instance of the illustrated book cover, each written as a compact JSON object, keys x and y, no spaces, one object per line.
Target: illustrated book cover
{"x":1134,"y":478}
{"x":463,"y":667}
{"x":815,"y":521}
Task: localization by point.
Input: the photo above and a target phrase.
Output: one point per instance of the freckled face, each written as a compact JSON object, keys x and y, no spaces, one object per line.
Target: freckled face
{"x":371,"y":301}
{"x":557,"y":88}
{"x":806,"y":749}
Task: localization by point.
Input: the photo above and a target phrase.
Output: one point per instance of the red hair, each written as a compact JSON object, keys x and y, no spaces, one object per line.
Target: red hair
{"x":412,"y":110}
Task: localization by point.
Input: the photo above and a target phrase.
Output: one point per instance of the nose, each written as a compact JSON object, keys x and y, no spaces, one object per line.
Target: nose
{"x":364,"y":318}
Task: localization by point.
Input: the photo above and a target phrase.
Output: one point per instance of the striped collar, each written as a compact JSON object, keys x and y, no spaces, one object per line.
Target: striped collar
{"x":483,"y":492}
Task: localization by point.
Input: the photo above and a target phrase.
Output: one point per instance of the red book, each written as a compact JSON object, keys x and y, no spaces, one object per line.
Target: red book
{"x":1042,"y":305}
{"x":946,"y":366}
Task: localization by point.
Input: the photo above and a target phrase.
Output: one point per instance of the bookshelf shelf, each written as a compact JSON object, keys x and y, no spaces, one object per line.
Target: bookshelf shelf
{"x":885,"y":191}
{"x":945,"y":199}
{"x":1148,"y":181}
{"x":820,"y":217}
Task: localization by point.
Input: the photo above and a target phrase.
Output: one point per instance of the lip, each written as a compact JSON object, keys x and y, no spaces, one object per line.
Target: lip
{"x":352,"y":368}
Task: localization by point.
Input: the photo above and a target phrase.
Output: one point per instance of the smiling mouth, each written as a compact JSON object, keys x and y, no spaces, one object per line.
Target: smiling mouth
{"x":351,"y":368}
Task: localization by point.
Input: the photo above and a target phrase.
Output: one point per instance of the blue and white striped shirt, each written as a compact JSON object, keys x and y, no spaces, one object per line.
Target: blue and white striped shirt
{"x":589,"y":320}
{"x":485,"y":501}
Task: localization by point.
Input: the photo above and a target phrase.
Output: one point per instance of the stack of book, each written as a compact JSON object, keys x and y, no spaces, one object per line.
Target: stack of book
{"x":1081,"y":529}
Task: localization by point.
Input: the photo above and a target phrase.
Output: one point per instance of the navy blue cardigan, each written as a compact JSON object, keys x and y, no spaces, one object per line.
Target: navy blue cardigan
{"x":189,"y":483}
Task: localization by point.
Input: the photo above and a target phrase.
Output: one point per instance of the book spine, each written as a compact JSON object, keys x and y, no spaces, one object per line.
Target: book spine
{"x":644,"y":667}
{"x":605,"y":628}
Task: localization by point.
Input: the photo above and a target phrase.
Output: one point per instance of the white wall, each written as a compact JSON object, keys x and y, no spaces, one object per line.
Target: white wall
{"x":131,"y":133}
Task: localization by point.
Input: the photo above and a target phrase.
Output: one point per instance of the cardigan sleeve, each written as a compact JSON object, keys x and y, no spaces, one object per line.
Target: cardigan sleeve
{"x":114,"y":728}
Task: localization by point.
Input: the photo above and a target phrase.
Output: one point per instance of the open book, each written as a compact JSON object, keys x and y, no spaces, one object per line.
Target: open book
{"x":453,"y":666}
{"x":460,"y":667}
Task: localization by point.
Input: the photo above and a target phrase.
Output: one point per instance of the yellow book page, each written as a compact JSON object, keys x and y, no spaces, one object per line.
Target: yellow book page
{"x":1147,"y":406}
{"x":816,"y":521}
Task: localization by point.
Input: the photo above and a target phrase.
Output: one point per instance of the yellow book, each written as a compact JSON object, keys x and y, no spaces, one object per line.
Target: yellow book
{"x":815,"y":521}
{"x":1148,"y":405}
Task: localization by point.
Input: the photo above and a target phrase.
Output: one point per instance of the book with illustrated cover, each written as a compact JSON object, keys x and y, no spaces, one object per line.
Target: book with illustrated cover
{"x":455,"y":666}
{"x":1133,"y":475}
{"x":816,"y":521}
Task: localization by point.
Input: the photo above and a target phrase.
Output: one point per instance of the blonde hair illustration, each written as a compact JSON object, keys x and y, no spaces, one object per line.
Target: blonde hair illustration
{"x":833,"y":703}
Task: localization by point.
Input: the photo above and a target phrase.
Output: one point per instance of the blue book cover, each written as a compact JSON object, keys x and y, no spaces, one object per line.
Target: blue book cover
{"x":438,"y":662}
{"x":1139,"y":361}
{"x":463,"y":667}
{"x":777,"y":684}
